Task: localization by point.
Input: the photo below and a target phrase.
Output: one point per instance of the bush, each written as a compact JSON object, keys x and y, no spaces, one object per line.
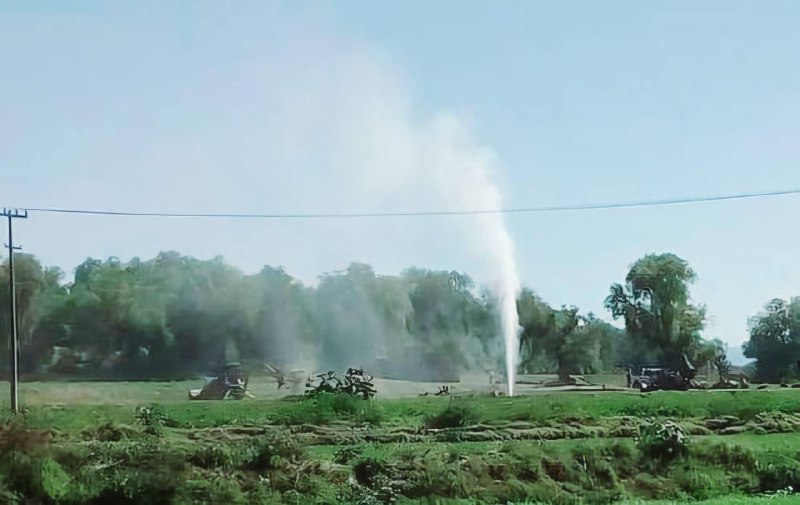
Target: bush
{"x":271,"y":451}
{"x":24,"y":460}
{"x":367,"y":469}
{"x":263,"y":494}
{"x":55,"y":481}
{"x":663,"y":441}
{"x":354,"y":493}
{"x":110,"y":432}
{"x":696,"y":483}
{"x":346,"y":454}
{"x":452,"y":417}
{"x":732,"y":456}
{"x":153,"y":418}
{"x":151,"y":486}
{"x":376,"y":482}
{"x":624,"y":455}
{"x":776,"y":472}
{"x":210,"y":491}
{"x":598,"y":466}
{"x":214,"y":456}
{"x":17,"y":436}
{"x":7,"y":495}
{"x":325,"y":407}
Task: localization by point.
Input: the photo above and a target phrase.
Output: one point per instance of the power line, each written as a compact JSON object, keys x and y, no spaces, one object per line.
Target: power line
{"x":339,"y":215}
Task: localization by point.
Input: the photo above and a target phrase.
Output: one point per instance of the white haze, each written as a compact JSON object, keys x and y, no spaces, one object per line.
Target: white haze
{"x":435,"y":163}
{"x":297,"y":121}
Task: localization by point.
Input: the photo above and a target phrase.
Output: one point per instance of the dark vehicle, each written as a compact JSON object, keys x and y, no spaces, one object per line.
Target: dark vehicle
{"x":644,"y":380}
{"x":658,"y":378}
{"x":654,"y":378}
{"x":228,"y":382}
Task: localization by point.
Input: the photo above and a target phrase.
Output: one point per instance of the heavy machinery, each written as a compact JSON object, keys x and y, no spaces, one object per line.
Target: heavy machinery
{"x":354,"y":382}
{"x":229,"y":381}
{"x":290,"y":379}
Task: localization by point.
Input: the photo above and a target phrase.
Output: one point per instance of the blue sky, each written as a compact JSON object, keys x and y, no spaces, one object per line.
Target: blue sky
{"x":336,"y":106}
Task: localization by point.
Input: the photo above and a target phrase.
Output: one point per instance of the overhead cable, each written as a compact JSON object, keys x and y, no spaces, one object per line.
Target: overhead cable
{"x":343,"y":215}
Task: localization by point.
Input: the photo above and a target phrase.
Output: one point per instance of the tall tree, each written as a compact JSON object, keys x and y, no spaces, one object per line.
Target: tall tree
{"x":538,"y":323}
{"x":441,"y":318}
{"x":775,"y":340}
{"x":608,"y":341}
{"x":40,"y":298}
{"x":654,"y":303}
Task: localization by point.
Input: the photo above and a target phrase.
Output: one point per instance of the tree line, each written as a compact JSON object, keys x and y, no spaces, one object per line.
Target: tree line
{"x":175,"y":315}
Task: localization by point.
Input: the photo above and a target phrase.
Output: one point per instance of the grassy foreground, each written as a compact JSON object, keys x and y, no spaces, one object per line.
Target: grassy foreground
{"x":743,"y":447}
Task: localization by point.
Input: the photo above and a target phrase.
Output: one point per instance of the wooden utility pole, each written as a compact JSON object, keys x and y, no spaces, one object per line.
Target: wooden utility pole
{"x":14,"y":354}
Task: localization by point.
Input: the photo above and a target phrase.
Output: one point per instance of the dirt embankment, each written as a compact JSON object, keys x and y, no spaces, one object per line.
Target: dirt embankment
{"x":345,"y":433}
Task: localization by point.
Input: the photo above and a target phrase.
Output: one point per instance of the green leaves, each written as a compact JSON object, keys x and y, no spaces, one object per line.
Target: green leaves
{"x":562,"y":336}
{"x":775,"y":340}
{"x":175,"y":315}
{"x":55,"y":481}
{"x":663,"y":441}
{"x":655,"y":307}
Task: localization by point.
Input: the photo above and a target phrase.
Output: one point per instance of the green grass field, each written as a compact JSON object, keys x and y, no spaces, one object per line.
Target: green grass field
{"x":97,"y":446}
{"x":72,"y":403}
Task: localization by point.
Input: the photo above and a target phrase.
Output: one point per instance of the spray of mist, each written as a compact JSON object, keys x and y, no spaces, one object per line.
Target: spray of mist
{"x":506,"y":289}
{"x":469,"y":168}
{"x":338,"y":132}
{"x":505,"y":285}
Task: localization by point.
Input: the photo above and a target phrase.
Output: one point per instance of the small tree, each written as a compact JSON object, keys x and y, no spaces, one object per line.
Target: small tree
{"x":571,"y":344}
{"x":722,"y":365}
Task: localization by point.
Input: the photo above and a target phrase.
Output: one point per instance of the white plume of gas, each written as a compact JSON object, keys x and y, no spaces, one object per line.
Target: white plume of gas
{"x":397,"y":162}
{"x":465,"y":173}
{"x":313,"y":124}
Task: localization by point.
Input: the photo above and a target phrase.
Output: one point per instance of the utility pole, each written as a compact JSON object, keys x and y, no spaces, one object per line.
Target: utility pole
{"x":14,"y":371}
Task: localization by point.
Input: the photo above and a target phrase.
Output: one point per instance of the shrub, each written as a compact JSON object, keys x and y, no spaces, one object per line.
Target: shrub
{"x":663,"y":441}
{"x":355,"y":494}
{"x":721,"y":453}
{"x":696,"y":483}
{"x":110,"y":432}
{"x":367,"y":469}
{"x":210,"y":491}
{"x":214,"y":456}
{"x":271,"y":451}
{"x":376,"y":482}
{"x":15,"y":435}
{"x":325,"y":407}
{"x":7,"y":495}
{"x":776,"y":472}
{"x":153,"y":418}
{"x":152,"y":486}
{"x":55,"y":481}
{"x":346,"y":454}
{"x":598,"y":466}
{"x":452,"y":417}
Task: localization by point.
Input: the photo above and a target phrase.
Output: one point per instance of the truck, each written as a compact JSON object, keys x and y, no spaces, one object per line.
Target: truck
{"x":657,"y":377}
